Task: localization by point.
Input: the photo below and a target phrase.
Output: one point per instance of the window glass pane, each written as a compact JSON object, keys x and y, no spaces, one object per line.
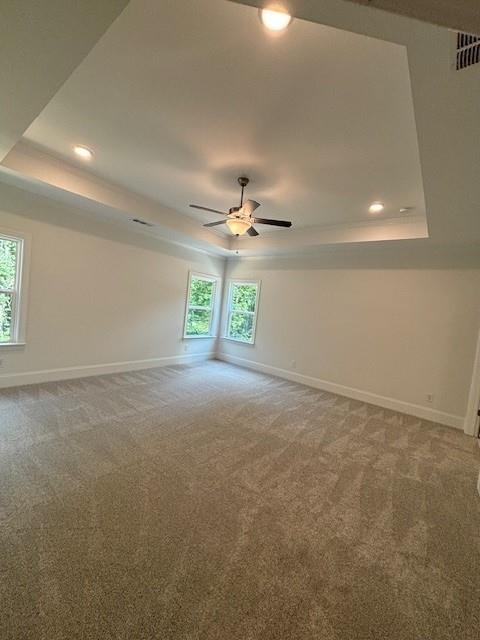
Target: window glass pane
{"x":6,"y":317}
{"x":198,"y":322}
{"x":8,"y":263}
{"x":241,"y":326}
{"x":201,"y":293}
{"x":244,"y":297}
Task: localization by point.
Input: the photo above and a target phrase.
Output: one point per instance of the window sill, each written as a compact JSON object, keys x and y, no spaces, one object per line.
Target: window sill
{"x":197,"y":337}
{"x":12,"y":344}
{"x":250,"y":344}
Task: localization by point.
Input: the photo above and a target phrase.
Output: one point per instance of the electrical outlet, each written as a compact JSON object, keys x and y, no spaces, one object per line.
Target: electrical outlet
{"x":430,"y":398}
{"x":185,"y":347}
{"x":293,"y":363}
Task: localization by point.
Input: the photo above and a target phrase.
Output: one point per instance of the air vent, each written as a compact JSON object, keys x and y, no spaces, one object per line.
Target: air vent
{"x":144,"y":222}
{"x":468,"y":50}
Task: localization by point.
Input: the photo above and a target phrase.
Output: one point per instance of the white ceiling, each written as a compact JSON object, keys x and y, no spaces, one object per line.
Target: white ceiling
{"x":463,"y":15}
{"x":41,"y":43}
{"x":180,"y":97}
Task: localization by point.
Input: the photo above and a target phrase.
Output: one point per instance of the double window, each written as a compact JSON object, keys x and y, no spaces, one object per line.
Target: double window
{"x":11,"y":253}
{"x":242,"y":306}
{"x":200,"y":314}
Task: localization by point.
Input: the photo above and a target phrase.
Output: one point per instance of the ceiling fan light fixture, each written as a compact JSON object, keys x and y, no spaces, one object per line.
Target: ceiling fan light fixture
{"x":238,"y":226}
{"x":275,"y":20}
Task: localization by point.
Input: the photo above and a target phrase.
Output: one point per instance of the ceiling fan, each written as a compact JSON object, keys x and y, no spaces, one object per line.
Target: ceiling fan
{"x":239,"y":219}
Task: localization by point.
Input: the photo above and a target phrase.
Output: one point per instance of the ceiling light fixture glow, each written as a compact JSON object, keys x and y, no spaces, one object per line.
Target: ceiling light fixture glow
{"x":83,"y":152}
{"x":238,"y":226}
{"x":376,"y":207}
{"x":275,"y":20}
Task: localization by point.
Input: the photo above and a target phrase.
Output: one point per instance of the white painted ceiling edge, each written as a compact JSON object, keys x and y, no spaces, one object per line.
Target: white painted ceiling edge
{"x":42,"y":43}
{"x":32,"y":169}
{"x":463,"y":15}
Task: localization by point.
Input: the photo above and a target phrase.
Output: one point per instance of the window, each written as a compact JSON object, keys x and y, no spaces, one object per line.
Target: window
{"x":11,"y":249}
{"x":242,"y":311}
{"x":199,"y":317}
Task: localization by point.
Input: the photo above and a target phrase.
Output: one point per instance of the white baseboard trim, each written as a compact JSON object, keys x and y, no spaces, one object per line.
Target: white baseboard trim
{"x":425,"y":413}
{"x":84,"y":371}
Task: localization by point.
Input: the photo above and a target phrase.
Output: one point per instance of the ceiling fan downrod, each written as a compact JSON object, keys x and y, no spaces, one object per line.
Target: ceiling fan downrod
{"x":242,"y":181}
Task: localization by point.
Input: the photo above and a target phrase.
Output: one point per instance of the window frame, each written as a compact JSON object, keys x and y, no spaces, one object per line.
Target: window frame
{"x":19,"y":292}
{"x":213,"y":309}
{"x":229,"y":311}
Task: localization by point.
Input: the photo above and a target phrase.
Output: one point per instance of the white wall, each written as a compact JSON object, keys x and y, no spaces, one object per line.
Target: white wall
{"x":97,"y":294}
{"x":394,"y":320}
{"x":374,"y":319}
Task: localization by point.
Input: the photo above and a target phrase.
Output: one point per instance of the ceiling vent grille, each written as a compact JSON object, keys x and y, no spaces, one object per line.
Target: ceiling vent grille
{"x":468,"y":50}
{"x":144,"y":222}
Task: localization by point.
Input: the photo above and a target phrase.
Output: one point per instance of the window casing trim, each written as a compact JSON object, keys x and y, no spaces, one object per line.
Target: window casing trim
{"x":228,"y":311}
{"x":20,"y":292}
{"x":213,"y":317}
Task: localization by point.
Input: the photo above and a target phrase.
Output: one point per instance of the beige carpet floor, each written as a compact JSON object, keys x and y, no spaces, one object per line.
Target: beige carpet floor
{"x":211,"y":502}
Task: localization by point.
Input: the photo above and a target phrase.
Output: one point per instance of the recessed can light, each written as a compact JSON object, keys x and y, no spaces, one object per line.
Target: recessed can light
{"x":376,"y":207}
{"x":275,"y":20}
{"x":83,"y":152}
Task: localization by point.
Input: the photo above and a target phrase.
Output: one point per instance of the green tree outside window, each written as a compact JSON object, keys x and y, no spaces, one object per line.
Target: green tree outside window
{"x":201,"y":300}
{"x":242,"y":309}
{"x":8,"y":277}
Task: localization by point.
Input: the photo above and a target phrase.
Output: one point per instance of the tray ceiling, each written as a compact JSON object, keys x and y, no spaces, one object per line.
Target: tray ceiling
{"x":179,"y":98}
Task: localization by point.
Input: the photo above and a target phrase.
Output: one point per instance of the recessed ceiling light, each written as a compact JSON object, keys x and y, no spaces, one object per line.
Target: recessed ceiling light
{"x":83,"y":152}
{"x":376,"y":207}
{"x":275,"y":20}
{"x":405,"y":209}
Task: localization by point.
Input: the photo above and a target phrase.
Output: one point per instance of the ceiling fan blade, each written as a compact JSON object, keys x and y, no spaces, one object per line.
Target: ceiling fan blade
{"x":196,"y":206}
{"x":214,"y":224}
{"x":275,"y":223}
{"x":249,"y":207}
{"x":252,"y":232}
